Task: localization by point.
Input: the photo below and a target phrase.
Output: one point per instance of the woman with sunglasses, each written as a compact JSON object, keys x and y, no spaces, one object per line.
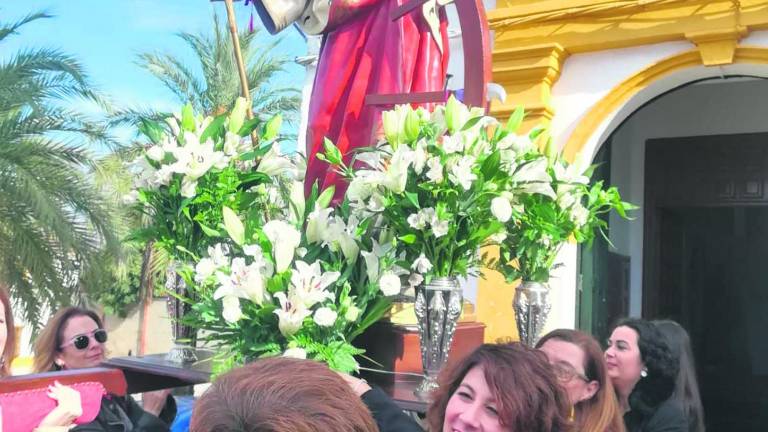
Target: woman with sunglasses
{"x":68,"y":406}
{"x":74,"y":338}
{"x":578,"y":363}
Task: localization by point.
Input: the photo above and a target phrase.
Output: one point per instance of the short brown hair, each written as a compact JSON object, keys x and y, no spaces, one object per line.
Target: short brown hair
{"x":10,"y":342}
{"x":49,"y":342}
{"x":528,"y":395}
{"x":281,"y":394}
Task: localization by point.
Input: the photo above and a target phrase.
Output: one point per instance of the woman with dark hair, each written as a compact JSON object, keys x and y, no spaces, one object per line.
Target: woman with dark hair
{"x":74,"y":338}
{"x":281,"y":394}
{"x":578,"y":362}
{"x":506,"y":387}
{"x":643,"y":371}
{"x":686,"y":386}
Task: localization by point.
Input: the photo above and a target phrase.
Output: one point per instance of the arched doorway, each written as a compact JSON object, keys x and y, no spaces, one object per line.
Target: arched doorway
{"x":696,"y":159}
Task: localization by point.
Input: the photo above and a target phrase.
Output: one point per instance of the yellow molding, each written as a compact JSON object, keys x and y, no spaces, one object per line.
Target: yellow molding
{"x":620,"y":26}
{"x":717,"y":47}
{"x":630,"y":87}
{"x":528,"y":74}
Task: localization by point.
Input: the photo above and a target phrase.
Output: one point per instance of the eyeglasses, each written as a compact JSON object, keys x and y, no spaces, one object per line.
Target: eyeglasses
{"x":566,"y":373}
{"x":82,"y":341}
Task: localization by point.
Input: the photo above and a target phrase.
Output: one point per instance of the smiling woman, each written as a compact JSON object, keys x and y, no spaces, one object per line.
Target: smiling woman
{"x":506,"y":387}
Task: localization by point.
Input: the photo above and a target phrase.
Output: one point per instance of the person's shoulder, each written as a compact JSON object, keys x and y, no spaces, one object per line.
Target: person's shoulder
{"x":668,"y":417}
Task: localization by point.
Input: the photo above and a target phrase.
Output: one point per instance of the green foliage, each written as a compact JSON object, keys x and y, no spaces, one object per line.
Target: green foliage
{"x":54,"y":224}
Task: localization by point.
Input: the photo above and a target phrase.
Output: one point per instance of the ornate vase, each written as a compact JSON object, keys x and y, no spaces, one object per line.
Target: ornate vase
{"x":531,"y":305}
{"x":184,"y":336}
{"x":438,"y":306}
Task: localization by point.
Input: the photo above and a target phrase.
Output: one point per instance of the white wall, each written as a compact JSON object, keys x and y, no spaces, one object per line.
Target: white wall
{"x":721,"y":106}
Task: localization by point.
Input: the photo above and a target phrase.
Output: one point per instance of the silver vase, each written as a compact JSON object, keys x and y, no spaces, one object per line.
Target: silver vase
{"x":184,"y":336}
{"x":531,"y":304}
{"x":438,"y":306}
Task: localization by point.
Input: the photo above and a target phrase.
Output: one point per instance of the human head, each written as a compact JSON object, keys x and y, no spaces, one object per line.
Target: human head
{"x":641,"y":364}
{"x":281,"y":394}
{"x":521,"y":388}
{"x":580,"y":367}
{"x":54,"y":349}
{"x":7,"y":333}
{"x":686,"y":386}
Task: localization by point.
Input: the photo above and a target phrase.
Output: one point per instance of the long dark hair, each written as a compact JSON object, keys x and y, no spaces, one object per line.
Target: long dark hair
{"x":686,"y":387}
{"x":661,"y":363}
{"x":529,"y":397}
{"x":601,"y":412}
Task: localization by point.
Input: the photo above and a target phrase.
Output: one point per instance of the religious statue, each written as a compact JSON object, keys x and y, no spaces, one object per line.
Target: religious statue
{"x":367,"y":50}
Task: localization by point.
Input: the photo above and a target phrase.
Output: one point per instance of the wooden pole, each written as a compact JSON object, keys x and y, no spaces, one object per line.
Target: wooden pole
{"x":238,"y":56}
{"x":147,"y":291}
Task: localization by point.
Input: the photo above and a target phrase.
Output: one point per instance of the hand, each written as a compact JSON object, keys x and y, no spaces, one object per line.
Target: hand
{"x":68,"y":408}
{"x":359,"y":386}
{"x":154,"y":402}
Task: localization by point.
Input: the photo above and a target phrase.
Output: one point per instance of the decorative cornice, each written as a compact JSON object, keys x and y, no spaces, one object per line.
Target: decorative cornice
{"x":717,"y":47}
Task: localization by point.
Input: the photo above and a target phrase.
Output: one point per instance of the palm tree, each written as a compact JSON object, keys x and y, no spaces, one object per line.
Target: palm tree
{"x":213,"y":85}
{"x":53,"y":222}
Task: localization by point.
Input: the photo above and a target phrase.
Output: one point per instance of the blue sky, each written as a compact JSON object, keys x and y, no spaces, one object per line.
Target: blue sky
{"x":107,"y":35}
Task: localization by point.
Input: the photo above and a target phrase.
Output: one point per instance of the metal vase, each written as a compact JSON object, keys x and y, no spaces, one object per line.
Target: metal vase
{"x":184,"y":336}
{"x":531,"y":304}
{"x":438,"y":306}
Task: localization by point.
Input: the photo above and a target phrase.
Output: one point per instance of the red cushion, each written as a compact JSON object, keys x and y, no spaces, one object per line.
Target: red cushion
{"x":23,"y":411}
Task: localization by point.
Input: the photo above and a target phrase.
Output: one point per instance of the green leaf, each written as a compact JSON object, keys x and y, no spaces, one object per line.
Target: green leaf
{"x":408,"y":238}
{"x":324,"y":200}
{"x":210,"y":232}
{"x":249,"y":126}
{"x":491,"y":165}
{"x":233,"y":225}
{"x":272,"y":128}
{"x":188,"y":118}
{"x":152,"y":130}
{"x":413,"y":198}
{"x":214,"y":128}
{"x":471,"y":123}
{"x":516,"y":119}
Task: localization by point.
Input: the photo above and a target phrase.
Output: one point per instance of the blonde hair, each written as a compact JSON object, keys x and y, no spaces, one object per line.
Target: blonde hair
{"x":48,"y":343}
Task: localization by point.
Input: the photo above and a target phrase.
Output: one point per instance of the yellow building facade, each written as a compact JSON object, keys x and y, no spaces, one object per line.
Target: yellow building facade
{"x":645,"y":47}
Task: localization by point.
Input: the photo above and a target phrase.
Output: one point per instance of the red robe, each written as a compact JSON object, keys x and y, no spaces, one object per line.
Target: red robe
{"x":365,"y":52}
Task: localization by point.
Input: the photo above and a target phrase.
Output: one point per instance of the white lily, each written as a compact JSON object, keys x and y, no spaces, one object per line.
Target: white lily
{"x":421,"y":264}
{"x":194,"y":159}
{"x":285,"y":239}
{"x":290,"y":315}
{"x":298,"y":203}
{"x":162,"y":176}
{"x":297,"y":353}
{"x":156,"y":153}
{"x":231,"y":309}
{"x":501,"y":209}
{"x":325,"y":317}
{"x":317,"y":224}
{"x":435,"y":173}
{"x":461,"y":172}
{"x":389,"y":284}
{"x":244,"y":281}
{"x":439,"y":228}
{"x":453,"y":143}
{"x":188,"y":187}
{"x":273,"y":163}
{"x":420,"y":156}
{"x":203,"y":269}
{"x":309,"y":283}
{"x":396,"y":175}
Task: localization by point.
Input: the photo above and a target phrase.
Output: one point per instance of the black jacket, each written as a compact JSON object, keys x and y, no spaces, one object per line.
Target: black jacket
{"x":123,"y":414}
{"x":668,"y":417}
{"x":389,"y":417}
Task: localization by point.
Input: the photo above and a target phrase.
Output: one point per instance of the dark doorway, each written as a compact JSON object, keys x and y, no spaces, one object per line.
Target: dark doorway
{"x":706,"y":265}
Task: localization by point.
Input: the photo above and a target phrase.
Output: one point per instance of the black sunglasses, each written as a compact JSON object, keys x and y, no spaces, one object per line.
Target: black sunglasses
{"x":82,"y":341}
